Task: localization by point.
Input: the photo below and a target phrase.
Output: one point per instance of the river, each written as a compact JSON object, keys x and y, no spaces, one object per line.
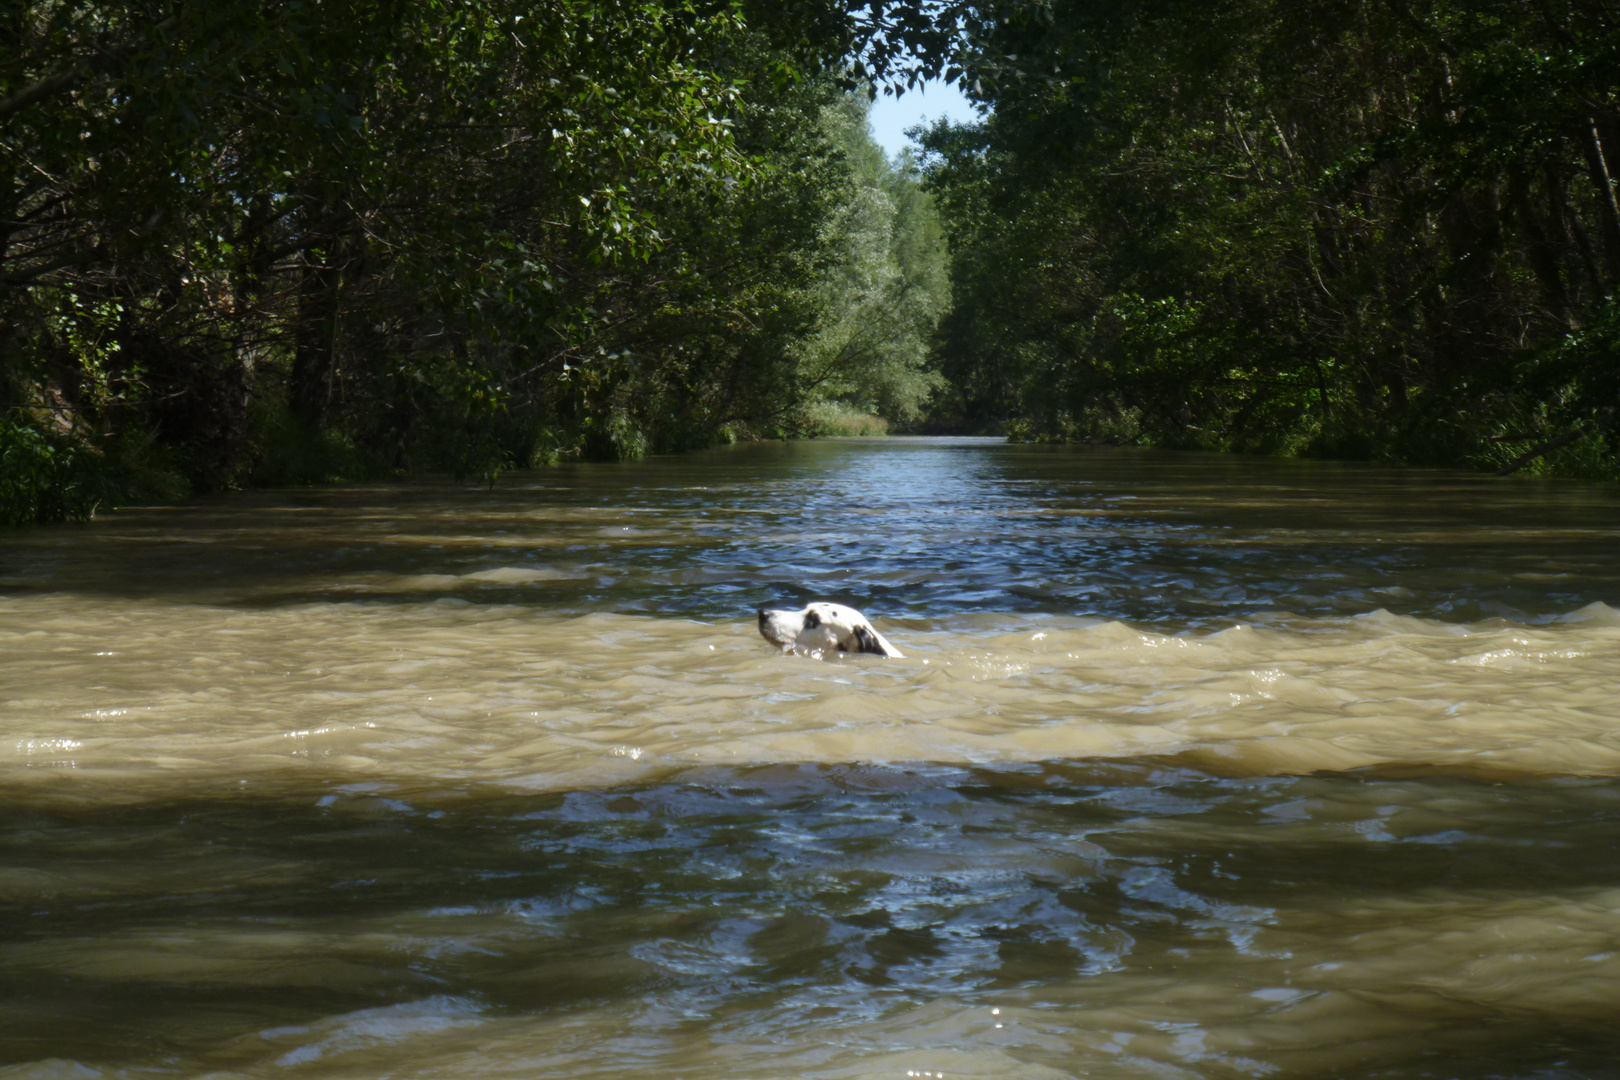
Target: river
{"x":1195,"y":767}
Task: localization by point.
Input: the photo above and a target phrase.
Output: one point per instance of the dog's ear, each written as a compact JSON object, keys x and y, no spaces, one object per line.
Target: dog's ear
{"x":870,"y":641}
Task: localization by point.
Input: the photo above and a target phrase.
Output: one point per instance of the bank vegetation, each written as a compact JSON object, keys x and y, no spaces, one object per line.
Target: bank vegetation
{"x":293,"y":241}
{"x":1375,"y":229}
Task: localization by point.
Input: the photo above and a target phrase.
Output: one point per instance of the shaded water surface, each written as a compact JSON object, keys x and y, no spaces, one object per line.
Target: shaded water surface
{"x":1195,"y":767}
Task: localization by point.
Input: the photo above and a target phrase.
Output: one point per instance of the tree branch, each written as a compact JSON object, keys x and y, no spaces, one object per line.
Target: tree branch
{"x":1543,"y":450}
{"x":58,"y":80}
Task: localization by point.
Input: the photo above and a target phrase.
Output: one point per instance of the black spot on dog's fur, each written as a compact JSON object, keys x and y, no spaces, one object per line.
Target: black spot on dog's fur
{"x":811,"y":620}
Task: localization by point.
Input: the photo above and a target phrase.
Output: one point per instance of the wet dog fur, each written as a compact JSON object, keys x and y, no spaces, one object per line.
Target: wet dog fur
{"x":823,"y":627}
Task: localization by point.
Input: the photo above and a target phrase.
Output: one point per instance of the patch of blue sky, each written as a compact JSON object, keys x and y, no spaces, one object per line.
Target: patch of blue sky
{"x":930,"y":101}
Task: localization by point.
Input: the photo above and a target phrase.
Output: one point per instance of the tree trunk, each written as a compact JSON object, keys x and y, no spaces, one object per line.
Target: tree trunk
{"x":1597,"y":167}
{"x":1541,"y":251}
{"x":319,"y":307}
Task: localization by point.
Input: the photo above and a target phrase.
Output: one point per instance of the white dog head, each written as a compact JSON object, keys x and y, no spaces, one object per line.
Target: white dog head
{"x":823,"y":627}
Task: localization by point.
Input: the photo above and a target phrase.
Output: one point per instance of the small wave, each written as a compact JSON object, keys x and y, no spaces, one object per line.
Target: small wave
{"x":1594,"y":614}
{"x":498,"y":576}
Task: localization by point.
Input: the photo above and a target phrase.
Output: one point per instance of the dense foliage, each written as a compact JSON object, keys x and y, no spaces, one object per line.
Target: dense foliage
{"x":292,"y":240}
{"x":1371,"y":228}
{"x":884,"y":294}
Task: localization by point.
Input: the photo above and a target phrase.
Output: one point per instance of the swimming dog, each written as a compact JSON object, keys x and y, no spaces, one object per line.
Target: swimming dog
{"x":823,"y":627}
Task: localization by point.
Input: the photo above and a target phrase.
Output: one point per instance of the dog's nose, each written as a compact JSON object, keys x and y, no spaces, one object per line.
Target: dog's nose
{"x":762,"y":613}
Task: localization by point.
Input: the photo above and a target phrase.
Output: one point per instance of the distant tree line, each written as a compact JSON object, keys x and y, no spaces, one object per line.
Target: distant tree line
{"x":1359,"y":228}
{"x":286,"y":241}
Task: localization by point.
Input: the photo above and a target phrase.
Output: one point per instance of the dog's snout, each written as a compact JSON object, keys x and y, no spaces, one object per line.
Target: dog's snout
{"x":764,"y":613}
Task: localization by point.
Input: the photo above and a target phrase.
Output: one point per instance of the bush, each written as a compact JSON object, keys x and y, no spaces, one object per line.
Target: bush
{"x":46,"y":476}
{"x":823,"y":418}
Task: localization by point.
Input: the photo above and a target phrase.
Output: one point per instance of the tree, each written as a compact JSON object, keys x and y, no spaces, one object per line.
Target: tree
{"x":879,"y":303}
{"x":1350,"y":228}
{"x":281,"y":242}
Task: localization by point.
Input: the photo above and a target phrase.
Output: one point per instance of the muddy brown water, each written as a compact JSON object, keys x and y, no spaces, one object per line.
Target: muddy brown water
{"x":1195,"y":767}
